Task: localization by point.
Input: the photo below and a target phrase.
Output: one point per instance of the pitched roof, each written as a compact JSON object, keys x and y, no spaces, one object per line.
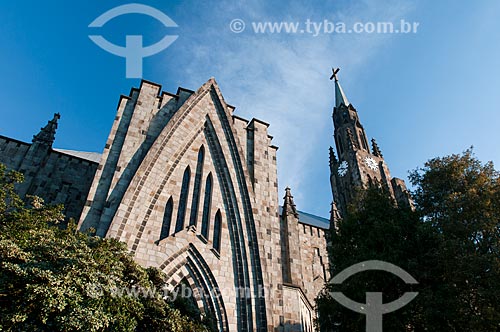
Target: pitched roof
{"x":90,"y":156}
{"x":311,"y":219}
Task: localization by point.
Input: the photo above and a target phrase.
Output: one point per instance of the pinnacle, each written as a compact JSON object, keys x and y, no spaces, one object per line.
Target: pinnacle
{"x":289,"y":205}
{"x":47,"y":134}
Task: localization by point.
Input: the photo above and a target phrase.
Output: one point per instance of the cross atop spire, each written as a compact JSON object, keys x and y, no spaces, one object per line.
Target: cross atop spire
{"x":334,"y":74}
{"x":340,"y":97}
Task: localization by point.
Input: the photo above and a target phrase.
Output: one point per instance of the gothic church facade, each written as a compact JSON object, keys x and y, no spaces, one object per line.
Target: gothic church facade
{"x":191,"y":188}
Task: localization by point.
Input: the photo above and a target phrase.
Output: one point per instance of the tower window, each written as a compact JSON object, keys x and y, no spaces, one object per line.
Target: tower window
{"x":196,"y":191}
{"x":207,"y":201}
{"x":339,"y":142}
{"x":217,"y":230}
{"x":363,"y":140}
{"x":181,"y":212}
{"x":370,"y":182}
{"x":167,"y":219}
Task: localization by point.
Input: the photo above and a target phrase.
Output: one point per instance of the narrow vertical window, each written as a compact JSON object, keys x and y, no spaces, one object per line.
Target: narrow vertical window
{"x":197,"y":184}
{"x":363,"y":140}
{"x":207,"y":201}
{"x":217,"y":230}
{"x":167,"y":219}
{"x":181,"y":212}
{"x":339,"y":141}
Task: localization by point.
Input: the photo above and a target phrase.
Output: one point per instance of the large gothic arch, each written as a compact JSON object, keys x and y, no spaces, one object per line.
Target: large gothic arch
{"x":203,"y":120}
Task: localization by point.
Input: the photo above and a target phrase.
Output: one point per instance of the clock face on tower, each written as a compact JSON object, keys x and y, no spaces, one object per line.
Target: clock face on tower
{"x":342,"y":170}
{"x":371,"y":163}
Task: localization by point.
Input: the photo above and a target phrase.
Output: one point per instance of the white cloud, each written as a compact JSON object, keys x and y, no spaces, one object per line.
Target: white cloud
{"x":283,"y":80}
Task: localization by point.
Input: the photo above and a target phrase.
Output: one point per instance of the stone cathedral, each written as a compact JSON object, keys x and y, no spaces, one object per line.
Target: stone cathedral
{"x":192,"y":189}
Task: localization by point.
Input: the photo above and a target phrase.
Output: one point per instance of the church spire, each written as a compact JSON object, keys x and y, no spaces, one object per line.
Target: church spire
{"x":340,"y":97}
{"x":47,"y":134}
{"x":358,"y":166}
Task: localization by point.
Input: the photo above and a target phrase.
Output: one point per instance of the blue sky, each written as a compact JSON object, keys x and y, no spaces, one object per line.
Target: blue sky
{"x":422,"y":95}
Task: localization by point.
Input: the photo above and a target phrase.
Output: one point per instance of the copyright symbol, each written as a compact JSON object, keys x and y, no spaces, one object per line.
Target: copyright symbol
{"x":237,"y":25}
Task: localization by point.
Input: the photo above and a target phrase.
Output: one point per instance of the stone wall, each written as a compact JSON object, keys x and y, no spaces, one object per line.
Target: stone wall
{"x":156,"y":138}
{"x":304,"y":266}
{"x":267,"y":268}
{"x":56,"y":177}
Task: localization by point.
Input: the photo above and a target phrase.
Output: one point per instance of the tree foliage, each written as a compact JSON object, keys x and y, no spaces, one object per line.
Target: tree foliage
{"x":460,"y":198}
{"x":450,"y":244}
{"x":54,"y":279}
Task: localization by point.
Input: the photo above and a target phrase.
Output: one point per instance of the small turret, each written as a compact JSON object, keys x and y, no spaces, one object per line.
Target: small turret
{"x":38,"y":154}
{"x":289,"y":206}
{"x":333,"y":159}
{"x":47,"y":134}
{"x":376,"y":149}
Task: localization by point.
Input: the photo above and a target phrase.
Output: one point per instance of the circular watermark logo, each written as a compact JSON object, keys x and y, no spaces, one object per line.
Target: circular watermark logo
{"x":374,"y":308}
{"x":133,"y":51}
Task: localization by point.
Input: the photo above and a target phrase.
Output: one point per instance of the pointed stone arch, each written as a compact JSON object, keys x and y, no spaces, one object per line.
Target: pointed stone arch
{"x":189,"y":265}
{"x":139,"y":203}
{"x":242,"y":178}
{"x":237,"y":229}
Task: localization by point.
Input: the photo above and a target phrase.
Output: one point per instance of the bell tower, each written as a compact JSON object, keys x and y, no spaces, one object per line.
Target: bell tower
{"x":358,"y":165}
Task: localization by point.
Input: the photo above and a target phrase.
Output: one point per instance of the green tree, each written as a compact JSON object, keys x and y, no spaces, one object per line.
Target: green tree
{"x":54,"y":279}
{"x":460,"y":197}
{"x":450,"y":244}
{"x":375,"y":229}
